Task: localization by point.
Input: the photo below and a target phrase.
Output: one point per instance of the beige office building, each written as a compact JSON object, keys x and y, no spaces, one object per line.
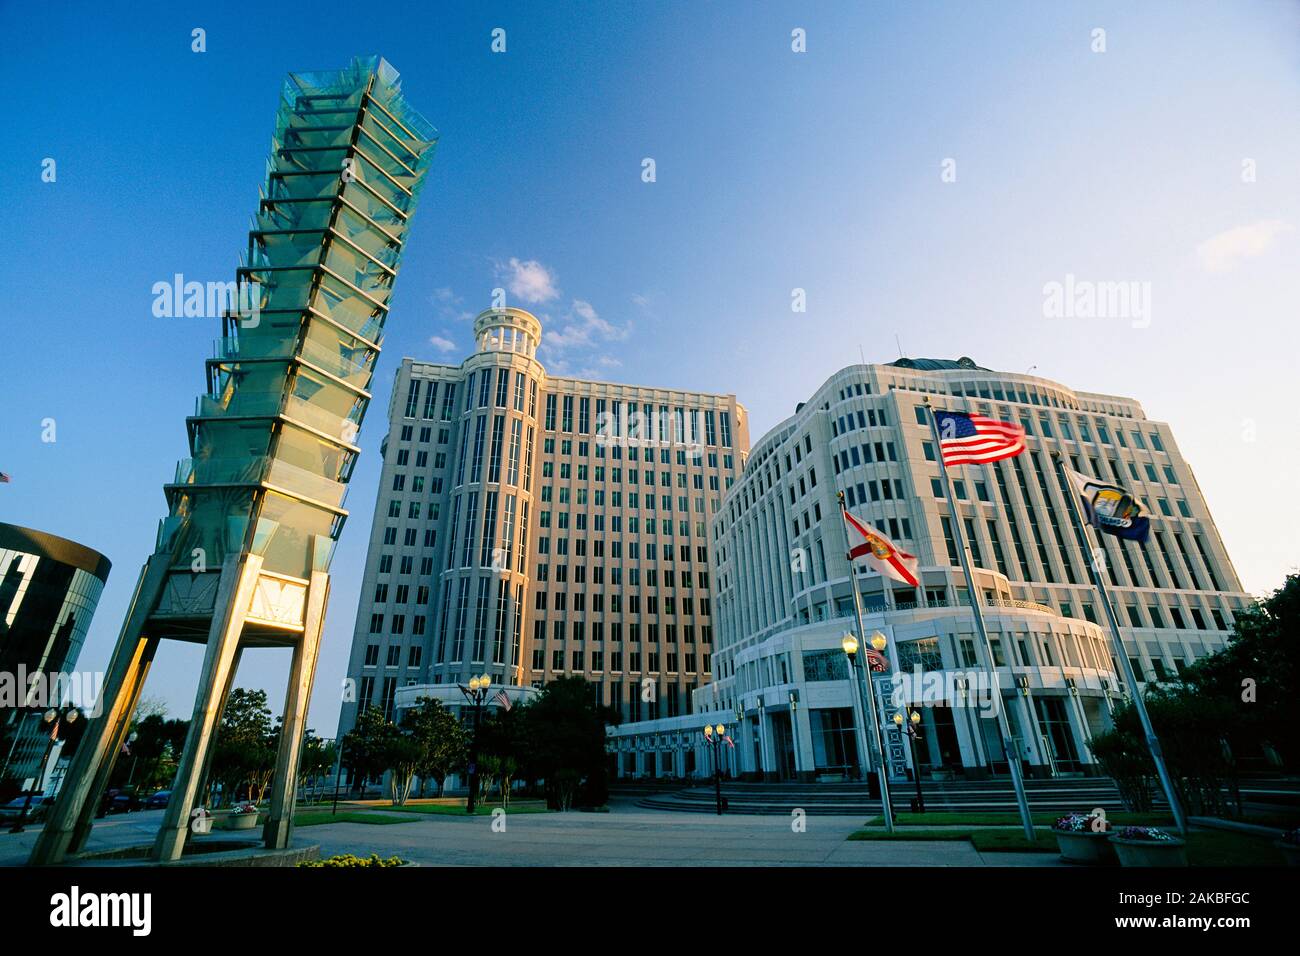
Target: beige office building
{"x":782,"y":597}
{"x":531,"y":526}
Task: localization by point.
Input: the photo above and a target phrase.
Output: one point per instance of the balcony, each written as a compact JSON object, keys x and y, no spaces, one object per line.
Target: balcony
{"x":298,"y":482}
{"x":313,"y":416}
{"x":1021,"y":605}
{"x":220,"y":471}
{"x":306,"y":484}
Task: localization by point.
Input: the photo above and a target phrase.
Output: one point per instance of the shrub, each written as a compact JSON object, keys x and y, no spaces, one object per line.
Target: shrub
{"x":348,"y":861}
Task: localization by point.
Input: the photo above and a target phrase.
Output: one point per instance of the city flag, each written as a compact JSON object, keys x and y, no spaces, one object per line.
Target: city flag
{"x":882,"y":554}
{"x":976,"y":440}
{"x":1111,"y":509}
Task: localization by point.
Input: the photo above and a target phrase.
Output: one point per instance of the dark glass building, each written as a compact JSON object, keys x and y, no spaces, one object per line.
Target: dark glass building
{"x":49,"y":587}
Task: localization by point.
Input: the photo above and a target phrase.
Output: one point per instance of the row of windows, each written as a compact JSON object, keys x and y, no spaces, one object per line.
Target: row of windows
{"x":579,"y":603}
{"x":634,"y":453}
{"x":1066,"y":427}
{"x":407,"y":433}
{"x":635,"y":525}
{"x":616,"y":549}
{"x":430,"y":400}
{"x":684,"y":578}
{"x":500,"y":397}
{"x":562,"y":631}
{"x":594,"y":661}
{"x":638,"y":422}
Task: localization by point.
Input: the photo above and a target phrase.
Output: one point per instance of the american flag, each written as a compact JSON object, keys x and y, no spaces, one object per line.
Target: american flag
{"x":976,"y":440}
{"x":502,"y":700}
{"x":4,"y":479}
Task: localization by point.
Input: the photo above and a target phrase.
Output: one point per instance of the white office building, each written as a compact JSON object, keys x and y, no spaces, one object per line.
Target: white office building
{"x":783,"y":600}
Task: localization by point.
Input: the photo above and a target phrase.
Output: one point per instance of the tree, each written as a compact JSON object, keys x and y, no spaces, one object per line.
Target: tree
{"x":503,"y":738}
{"x":364,"y":746}
{"x":444,"y":742}
{"x":1123,"y":756}
{"x":1228,"y":707}
{"x":564,"y":742}
{"x":154,"y":751}
{"x":1256,"y":677}
{"x":402,"y":754}
{"x":244,"y":758}
{"x":318,"y":758}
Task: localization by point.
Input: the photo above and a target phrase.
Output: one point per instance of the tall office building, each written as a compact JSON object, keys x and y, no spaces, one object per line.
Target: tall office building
{"x":530,"y":526}
{"x":783,"y":598}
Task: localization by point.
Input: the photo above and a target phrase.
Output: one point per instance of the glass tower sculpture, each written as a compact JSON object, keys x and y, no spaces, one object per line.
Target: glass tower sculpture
{"x":242,"y":558}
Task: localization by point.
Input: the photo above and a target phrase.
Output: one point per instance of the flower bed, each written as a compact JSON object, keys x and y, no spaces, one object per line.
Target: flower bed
{"x":350,"y":861}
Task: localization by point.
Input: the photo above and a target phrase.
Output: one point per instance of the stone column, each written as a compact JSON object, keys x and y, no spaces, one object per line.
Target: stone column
{"x":234,"y":595}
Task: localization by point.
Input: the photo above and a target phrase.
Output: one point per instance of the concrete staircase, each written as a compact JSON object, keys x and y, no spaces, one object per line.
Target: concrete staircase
{"x":1048,"y":796}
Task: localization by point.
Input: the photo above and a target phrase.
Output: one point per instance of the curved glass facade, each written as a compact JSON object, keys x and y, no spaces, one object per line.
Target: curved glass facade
{"x":49,"y":588}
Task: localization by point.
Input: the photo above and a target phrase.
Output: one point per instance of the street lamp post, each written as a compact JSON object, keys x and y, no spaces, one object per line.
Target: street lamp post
{"x":476,"y":694}
{"x":131,"y":739}
{"x":55,"y":719}
{"x":715,"y":737}
{"x":913,"y":735}
{"x":878,"y":644}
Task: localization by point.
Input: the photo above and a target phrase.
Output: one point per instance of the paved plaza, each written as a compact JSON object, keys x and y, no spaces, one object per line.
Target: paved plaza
{"x":626,"y":836}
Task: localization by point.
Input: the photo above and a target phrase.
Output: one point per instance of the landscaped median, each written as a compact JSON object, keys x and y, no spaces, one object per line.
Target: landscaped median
{"x":1002,"y":833}
{"x":378,"y":812}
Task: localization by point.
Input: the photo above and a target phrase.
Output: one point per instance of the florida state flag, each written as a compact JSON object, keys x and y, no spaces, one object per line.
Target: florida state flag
{"x":882,"y":554}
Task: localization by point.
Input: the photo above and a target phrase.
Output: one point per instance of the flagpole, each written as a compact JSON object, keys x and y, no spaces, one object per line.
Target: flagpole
{"x":976,"y":597}
{"x":1117,"y":644}
{"x":886,"y":805}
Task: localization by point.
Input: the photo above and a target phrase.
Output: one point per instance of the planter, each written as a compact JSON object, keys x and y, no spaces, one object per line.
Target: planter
{"x":1291,"y":851}
{"x":241,"y":821}
{"x":1149,"y":852}
{"x":1086,"y":847}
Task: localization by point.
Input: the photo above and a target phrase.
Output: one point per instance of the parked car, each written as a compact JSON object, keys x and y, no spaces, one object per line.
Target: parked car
{"x":123,"y":802}
{"x":36,"y":811}
{"x":158,"y":801}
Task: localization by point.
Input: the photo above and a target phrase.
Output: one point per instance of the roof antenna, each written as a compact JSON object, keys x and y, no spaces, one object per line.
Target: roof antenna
{"x":861,"y":354}
{"x":899,"y":344}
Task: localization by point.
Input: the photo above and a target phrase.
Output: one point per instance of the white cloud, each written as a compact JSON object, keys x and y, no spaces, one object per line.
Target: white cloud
{"x":1223,"y":252}
{"x":442,"y":344}
{"x":529,"y":280}
{"x":449,"y":305}
{"x":581,"y":328}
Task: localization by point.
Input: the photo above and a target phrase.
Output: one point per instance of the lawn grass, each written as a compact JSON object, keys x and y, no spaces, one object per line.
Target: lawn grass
{"x":1220,"y":848}
{"x":1204,"y":847}
{"x":458,"y":809}
{"x":990,"y":840}
{"x":313,"y":818}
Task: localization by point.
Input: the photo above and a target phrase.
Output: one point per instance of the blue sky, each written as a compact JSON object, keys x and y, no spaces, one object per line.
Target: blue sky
{"x":775,"y":170}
